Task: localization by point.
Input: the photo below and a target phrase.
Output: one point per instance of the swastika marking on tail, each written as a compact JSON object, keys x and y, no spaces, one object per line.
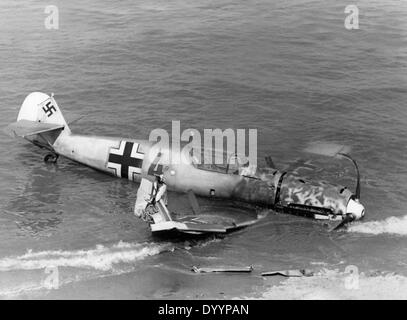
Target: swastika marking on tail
{"x":49,"y":109}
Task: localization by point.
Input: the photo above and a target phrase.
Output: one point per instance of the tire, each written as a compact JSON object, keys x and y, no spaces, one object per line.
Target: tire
{"x":51,"y":158}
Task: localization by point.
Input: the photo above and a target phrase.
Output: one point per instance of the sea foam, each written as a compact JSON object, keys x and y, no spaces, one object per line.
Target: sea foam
{"x":391,"y":225}
{"x":100,"y":258}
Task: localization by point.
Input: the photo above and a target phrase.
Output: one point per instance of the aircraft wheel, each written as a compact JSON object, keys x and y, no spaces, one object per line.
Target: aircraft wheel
{"x":51,"y":158}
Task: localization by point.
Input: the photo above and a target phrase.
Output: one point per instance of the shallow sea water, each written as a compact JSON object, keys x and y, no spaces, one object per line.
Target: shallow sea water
{"x":288,"y":68}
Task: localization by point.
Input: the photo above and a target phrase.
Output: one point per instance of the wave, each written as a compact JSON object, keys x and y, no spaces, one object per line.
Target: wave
{"x":26,"y":275}
{"x":100,"y":258}
{"x":334,"y":284}
{"x":391,"y":225}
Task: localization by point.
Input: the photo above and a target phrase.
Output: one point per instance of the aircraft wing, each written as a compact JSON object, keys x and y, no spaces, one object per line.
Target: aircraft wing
{"x":23,"y":128}
{"x":203,"y":223}
{"x":199,"y":222}
{"x":187,"y":226}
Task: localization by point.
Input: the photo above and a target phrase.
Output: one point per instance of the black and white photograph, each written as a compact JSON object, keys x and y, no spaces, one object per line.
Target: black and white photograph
{"x":215,"y":151}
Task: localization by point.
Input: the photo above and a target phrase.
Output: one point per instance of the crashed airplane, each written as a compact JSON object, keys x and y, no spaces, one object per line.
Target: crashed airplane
{"x":41,"y":122}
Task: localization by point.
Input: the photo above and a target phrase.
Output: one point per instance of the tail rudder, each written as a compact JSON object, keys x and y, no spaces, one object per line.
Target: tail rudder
{"x":42,"y":108}
{"x":40,"y":121}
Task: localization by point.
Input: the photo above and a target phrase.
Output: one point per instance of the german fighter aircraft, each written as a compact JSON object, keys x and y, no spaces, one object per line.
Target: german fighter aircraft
{"x":41,"y":122}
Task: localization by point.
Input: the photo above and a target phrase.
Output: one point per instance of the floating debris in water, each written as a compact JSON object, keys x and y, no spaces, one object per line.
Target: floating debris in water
{"x":289,"y":273}
{"x":222,"y":269}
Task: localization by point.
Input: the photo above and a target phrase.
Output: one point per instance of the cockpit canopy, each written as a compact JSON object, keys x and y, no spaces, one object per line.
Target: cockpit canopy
{"x":222,"y":161}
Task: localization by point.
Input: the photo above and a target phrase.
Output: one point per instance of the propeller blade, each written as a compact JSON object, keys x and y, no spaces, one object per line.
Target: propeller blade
{"x":328,"y":149}
{"x":193,"y":202}
{"x":269,"y":162}
{"x":345,"y":221}
{"x":332,"y":150}
{"x":357,"y":189}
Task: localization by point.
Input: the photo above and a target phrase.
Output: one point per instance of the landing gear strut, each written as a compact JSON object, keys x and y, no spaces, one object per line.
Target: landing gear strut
{"x":51,"y":158}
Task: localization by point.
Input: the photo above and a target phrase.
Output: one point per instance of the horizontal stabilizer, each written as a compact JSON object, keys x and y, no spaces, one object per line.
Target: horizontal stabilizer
{"x":23,"y":128}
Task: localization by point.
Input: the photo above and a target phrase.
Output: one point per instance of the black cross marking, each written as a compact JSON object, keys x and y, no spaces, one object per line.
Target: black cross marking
{"x":126,"y":160}
{"x":49,"y":109}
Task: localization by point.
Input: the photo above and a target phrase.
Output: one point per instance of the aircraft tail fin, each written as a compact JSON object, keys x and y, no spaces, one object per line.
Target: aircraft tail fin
{"x":42,"y":108}
{"x":39,"y":120}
